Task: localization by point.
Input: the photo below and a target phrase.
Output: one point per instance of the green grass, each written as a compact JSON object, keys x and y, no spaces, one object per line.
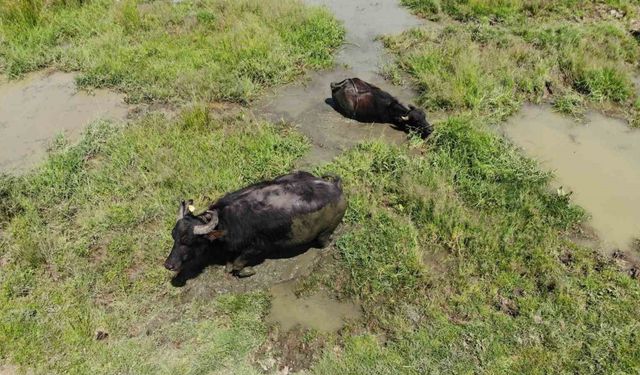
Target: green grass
{"x":461,"y":256}
{"x":84,"y":237}
{"x":513,"y":11}
{"x":490,"y":70}
{"x":457,"y":250}
{"x":159,"y":51}
{"x":462,"y":260}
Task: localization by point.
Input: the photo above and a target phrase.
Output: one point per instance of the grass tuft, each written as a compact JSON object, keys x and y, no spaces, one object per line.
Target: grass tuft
{"x":462,"y":260}
{"x":170,"y":52}
{"x":482,"y":70}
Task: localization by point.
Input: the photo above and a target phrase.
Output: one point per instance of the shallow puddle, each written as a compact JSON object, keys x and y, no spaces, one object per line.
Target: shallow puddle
{"x":364,"y":21}
{"x":36,"y":109}
{"x":598,"y":160}
{"x":317,"y":311}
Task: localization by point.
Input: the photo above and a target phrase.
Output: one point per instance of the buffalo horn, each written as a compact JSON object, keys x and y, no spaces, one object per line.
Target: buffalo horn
{"x":208,"y":227}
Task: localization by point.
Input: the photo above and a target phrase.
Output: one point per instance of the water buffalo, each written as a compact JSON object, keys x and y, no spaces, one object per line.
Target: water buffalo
{"x":291,"y":211}
{"x":363,"y":101}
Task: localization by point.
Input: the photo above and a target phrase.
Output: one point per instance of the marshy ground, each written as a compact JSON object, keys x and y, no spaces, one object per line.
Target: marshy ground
{"x":457,"y":255}
{"x":37,"y":108}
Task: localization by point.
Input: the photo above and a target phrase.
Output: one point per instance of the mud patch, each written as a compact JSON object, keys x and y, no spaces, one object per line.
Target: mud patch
{"x":317,"y":311}
{"x":294,"y":351}
{"x":628,"y":263}
{"x":362,"y":55}
{"x":13,"y":370}
{"x":304,"y":106}
{"x":36,"y":109}
{"x":214,"y":281}
{"x":599,"y":161}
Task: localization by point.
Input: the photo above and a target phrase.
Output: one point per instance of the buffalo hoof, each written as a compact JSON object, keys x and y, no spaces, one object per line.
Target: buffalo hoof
{"x":246,"y":272}
{"x":322,"y":242}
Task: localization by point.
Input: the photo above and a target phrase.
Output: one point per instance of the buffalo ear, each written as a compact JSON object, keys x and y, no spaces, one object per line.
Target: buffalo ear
{"x":185,"y":209}
{"x":181,"y":210}
{"x":214,"y":235}
{"x":411,"y":107}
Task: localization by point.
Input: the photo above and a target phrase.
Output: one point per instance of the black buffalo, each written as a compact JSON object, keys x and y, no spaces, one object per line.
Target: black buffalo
{"x":293,"y":210}
{"x":363,"y":101}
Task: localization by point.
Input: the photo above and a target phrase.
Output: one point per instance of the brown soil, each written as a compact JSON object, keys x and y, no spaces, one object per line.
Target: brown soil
{"x":291,"y":351}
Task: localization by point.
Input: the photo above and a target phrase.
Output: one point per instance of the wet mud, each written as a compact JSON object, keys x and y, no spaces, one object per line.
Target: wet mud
{"x":211,"y":279}
{"x":598,"y":160}
{"x":309,"y":109}
{"x":36,"y":109}
{"x":317,"y":311}
{"x":308,"y":106}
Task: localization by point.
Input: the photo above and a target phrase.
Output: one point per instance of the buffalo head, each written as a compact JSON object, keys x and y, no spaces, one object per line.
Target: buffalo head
{"x":192,"y":236}
{"x":416,"y":120}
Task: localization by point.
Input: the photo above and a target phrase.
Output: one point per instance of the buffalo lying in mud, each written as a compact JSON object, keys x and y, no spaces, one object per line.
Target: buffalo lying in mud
{"x":363,"y":101}
{"x":292,"y":211}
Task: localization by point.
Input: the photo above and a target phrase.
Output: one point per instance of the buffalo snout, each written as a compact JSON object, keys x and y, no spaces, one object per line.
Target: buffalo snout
{"x":170,"y":266}
{"x":173,"y":261}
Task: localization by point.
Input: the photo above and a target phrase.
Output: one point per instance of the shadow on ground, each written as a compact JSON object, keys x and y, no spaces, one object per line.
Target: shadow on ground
{"x":207,"y":277}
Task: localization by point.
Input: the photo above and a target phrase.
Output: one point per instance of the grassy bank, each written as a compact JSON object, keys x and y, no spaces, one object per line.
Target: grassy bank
{"x":85,"y":235}
{"x":514,"y":11}
{"x":462,"y":259}
{"x":495,"y":59}
{"x":161,"y":51}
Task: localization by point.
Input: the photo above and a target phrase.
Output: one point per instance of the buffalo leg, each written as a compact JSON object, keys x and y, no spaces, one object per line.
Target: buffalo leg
{"x":324,"y":239}
{"x":228,"y":268}
{"x":239,"y":266}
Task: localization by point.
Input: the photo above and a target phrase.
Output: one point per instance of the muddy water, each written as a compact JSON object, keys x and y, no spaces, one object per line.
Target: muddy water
{"x":9,"y":370}
{"x":330,"y":133}
{"x":598,"y":160}
{"x":36,"y":109}
{"x":361,"y":56}
{"x":317,"y":311}
{"x":364,"y":21}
